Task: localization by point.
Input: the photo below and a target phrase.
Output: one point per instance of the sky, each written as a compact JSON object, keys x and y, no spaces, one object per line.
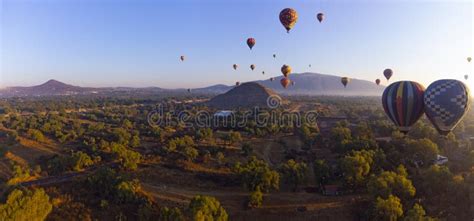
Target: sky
{"x":138,"y":42}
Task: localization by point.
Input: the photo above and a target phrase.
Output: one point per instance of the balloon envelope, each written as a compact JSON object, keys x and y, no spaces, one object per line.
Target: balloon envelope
{"x":251,"y":42}
{"x":235,"y":66}
{"x":285,"y":82}
{"x":237,"y":83}
{"x":320,"y":17}
{"x":285,"y":70}
{"x":288,"y":18}
{"x":469,"y":59}
{"x":446,"y":103}
{"x":181,"y":57}
{"x":377,"y":81}
{"x":345,"y":81}
{"x":388,"y":73}
{"x":466,"y":77}
{"x":403,"y":103}
{"x":252,"y":67}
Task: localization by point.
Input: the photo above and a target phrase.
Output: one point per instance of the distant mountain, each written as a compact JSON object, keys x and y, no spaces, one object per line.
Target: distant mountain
{"x":322,"y":84}
{"x":248,"y":94}
{"x":305,"y":84}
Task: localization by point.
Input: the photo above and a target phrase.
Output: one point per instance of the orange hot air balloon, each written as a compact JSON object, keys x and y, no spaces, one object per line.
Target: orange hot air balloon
{"x":251,"y":42}
{"x":285,"y":82}
{"x":181,"y":57}
{"x":285,"y":70}
{"x":288,"y":18}
{"x":388,"y":73}
{"x":320,"y":17}
{"x":237,"y":83}
{"x":252,"y":66}
{"x":235,"y":66}
{"x":345,"y":81}
{"x":377,"y":81}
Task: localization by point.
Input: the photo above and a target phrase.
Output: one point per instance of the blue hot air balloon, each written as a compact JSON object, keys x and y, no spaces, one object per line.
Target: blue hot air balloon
{"x":446,"y":103}
{"x":403,"y":103}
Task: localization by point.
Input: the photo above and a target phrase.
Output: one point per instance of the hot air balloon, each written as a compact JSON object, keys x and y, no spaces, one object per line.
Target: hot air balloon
{"x":320,"y":17}
{"x":271,"y":79}
{"x":466,"y":77}
{"x":345,"y":81}
{"x":252,"y":66}
{"x":263,"y":72}
{"x":181,"y":57}
{"x":285,"y":82}
{"x":189,"y":90}
{"x":377,"y":81}
{"x":288,"y":18}
{"x":274,"y":55}
{"x":403,"y":103}
{"x":469,"y":59}
{"x":235,"y":66}
{"x":388,"y":73}
{"x":285,"y":70}
{"x":309,"y":65}
{"x":237,"y":83}
{"x":446,"y":103}
{"x":251,"y":42}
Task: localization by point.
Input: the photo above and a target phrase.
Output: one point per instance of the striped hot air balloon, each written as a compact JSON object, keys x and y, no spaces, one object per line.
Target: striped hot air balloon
{"x":403,"y":103}
{"x":446,"y":103}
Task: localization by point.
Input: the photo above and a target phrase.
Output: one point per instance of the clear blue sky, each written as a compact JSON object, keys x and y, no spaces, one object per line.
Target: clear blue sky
{"x":138,"y":43}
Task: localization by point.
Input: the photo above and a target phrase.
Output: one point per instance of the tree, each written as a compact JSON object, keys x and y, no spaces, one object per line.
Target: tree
{"x":81,"y":160}
{"x":392,"y":183}
{"x":294,"y":173}
{"x":233,"y":137}
{"x":203,"y":134}
{"x":190,"y":153}
{"x":247,"y":149}
{"x":25,"y":205}
{"x":321,"y":171}
{"x":388,"y":209}
{"x":256,"y":199}
{"x":257,"y":174}
{"x":129,"y":159}
{"x":423,"y":150}
{"x":36,"y":135}
{"x":173,"y":214}
{"x":356,"y":166}
{"x":127,"y":191}
{"x":220,"y":157}
{"x":417,"y":213}
{"x":206,"y":208}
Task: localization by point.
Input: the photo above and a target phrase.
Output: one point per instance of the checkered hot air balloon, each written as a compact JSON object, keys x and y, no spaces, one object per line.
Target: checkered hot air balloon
{"x":403,"y":103}
{"x":446,"y":103}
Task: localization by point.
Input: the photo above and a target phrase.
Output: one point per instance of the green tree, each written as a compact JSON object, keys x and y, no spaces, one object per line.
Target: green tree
{"x":127,"y":191}
{"x":233,"y":137}
{"x":417,"y":213}
{"x":247,"y":149}
{"x":256,"y":199}
{"x":25,"y":205}
{"x":206,"y":208}
{"x":204,"y":134}
{"x":190,"y":153}
{"x":392,"y":183}
{"x":173,"y":214}
{"x":80,"y":160}
{"x":356,"y":166}
{"x":423,"y":150}
{"x":257,"y":174}
{"x":389,"y":209}
{"x":36,"y":135}
{"x":128,"y":159}
{"x":294,"y":172}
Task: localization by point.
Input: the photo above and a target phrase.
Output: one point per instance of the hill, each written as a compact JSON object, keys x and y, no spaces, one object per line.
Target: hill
{"x":249,"y":94}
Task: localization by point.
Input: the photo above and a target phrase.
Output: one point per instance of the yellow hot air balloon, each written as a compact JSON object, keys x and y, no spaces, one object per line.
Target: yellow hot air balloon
{"x":288,"y":18}
{"x":285,"y":70}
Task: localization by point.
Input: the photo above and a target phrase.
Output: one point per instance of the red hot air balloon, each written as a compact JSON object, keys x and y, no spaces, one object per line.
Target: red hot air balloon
{"x":377,"y":81}
{"x":288,"y":18}
{"x":251,"y":42}
{"x":403,"y":103}
{"x":285,"y":82}
{"x":320,"y":17}
{"x":388,"y":73}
